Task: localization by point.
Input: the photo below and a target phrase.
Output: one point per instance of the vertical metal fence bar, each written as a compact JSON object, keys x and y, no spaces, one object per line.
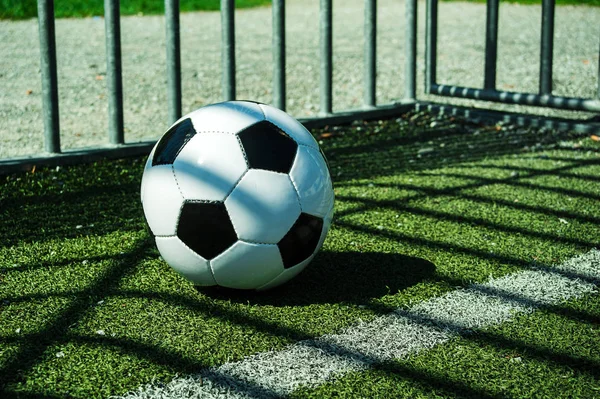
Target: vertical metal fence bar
{"x":410,"y":83}
{"x":49,"y":76}
{"x":491,"y":44}
{"x":431,"y":44}
{"x":228,"y":48}
{"x":113,"y":71}
{"x":173,"y":59}
{"x":326,"y":45}
{"x":279,"y":54}
{"x":598,"y":72}
{"x":370,"y":52}
{"x":547,"y":46}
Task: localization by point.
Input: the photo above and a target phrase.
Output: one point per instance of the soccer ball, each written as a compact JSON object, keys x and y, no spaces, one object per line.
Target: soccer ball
{"x":237,"y":194}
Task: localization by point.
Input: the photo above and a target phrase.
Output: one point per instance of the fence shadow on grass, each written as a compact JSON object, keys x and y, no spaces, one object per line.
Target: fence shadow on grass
{"x":420,"y":141}
{"x":453,"y":143}
{"x":338,"y":277}
{"x":68,"y":202}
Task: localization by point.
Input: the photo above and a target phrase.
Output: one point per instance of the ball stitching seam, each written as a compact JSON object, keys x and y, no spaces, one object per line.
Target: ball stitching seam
{"x":194,"y":253}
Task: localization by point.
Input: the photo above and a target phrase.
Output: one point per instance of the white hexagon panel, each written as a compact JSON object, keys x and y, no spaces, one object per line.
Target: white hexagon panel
{"x":247,"y":265}
{"x":263,"y":206}
{"x":161,"y":199}
{"x":285,"y":275}
{"x":147,"y":166}
{"x":186,"y":262}
{"x":209,"y":166}
{"x":226,"y":117}
{"x":311,"y":178}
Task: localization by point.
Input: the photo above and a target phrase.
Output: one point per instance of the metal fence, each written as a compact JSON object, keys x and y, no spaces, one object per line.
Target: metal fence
{"x":116,"y":141}
{"x":543,"y":98}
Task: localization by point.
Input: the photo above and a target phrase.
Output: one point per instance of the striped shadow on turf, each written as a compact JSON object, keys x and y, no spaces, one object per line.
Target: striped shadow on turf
{"x":396,"y":335}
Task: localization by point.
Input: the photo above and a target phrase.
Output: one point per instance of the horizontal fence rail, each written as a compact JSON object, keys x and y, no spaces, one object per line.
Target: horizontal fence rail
{"x":543,"y":98}
{"x":507,"y":97}
{"x":117,"y":147}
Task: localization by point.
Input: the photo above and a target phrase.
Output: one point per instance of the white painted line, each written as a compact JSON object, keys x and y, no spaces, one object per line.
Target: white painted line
{"x":396,"y":335}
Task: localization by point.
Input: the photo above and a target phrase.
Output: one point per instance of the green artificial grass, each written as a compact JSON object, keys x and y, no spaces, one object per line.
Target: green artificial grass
{"x":22,"y":9}
{"x":549,"y":354}
{"x":88,"y":309}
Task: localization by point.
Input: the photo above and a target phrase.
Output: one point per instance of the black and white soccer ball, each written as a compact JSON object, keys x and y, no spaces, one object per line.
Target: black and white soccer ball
{"x":237,"y":194}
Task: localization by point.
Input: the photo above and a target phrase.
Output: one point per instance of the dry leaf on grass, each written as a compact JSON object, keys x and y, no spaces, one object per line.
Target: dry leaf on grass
{"x":325,"y":135}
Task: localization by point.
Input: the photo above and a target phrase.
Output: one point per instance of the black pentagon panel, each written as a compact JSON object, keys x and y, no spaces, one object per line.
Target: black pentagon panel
{"x":301,"y":241}
{"x":268,"y":147}
{"x":206,"y":228}
{"x":172,"y":142}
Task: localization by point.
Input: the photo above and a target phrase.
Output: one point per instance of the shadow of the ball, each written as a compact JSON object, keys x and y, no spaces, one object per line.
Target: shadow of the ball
{"x":337,"y":277}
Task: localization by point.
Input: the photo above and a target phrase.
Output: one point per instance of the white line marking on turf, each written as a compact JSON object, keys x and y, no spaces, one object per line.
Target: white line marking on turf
{"x":396,"y":335}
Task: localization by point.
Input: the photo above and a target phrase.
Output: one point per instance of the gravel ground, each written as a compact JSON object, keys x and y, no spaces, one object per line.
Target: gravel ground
{"x":82,"y":65}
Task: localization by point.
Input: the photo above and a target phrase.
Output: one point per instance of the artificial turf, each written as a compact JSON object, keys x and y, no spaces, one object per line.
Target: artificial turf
{"x":423,"y":205}
{"x":552,"y":353}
